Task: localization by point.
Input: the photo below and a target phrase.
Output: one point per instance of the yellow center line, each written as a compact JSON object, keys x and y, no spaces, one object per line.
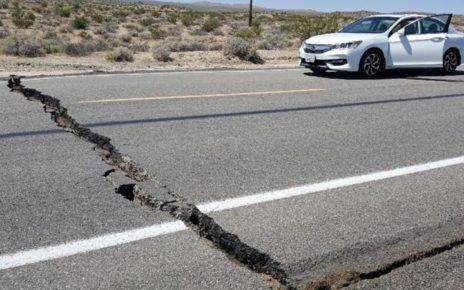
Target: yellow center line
{"x":197,"y":96}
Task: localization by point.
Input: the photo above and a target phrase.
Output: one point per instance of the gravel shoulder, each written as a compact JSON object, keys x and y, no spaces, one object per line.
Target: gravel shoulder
{"x":61,"y":64}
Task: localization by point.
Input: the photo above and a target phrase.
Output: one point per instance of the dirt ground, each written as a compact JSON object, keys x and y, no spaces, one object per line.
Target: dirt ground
{"x":59,"y":64}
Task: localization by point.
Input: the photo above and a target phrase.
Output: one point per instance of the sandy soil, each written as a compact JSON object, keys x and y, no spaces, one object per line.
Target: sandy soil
{"x":63,"y":64}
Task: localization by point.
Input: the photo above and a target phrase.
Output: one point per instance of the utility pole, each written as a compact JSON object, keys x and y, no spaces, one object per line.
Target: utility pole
{"x":250,"y":16}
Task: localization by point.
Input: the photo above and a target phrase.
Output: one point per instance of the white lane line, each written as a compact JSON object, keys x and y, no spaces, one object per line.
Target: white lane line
{"x":198,"y":96}
{"x":82,"y":246}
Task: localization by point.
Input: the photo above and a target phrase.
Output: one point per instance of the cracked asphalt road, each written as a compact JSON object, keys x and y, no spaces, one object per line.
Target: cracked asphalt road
{"x":214,"y":148}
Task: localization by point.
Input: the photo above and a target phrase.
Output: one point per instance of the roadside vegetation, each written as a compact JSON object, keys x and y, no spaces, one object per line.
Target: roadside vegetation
{"x":123,"y":32}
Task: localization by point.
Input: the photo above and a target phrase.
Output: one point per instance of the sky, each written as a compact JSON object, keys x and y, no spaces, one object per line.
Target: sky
{"x":432,"y":6}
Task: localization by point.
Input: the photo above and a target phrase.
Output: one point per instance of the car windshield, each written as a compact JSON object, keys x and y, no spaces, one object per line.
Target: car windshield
{"x":370,"y":25}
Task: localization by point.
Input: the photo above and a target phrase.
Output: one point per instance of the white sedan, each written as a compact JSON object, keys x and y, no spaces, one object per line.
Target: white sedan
{"x":377,"y":43}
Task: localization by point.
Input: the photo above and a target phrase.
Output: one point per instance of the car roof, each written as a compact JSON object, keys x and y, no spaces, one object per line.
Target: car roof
{"x":398,"y":15}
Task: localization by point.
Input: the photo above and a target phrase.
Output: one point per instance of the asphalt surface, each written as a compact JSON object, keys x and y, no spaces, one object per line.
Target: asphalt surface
{"x":210,"y":145}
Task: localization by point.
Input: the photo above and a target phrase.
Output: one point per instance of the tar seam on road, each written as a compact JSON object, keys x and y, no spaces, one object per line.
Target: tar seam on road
{"x":132,"y":182}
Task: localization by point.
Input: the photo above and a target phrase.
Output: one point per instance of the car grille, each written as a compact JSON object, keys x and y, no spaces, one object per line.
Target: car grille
{"x":316,"y":48}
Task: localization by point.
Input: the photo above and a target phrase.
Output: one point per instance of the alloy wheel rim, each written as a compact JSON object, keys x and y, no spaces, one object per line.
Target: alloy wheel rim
{"x":451,"y":61}
{"x":372,"y":64}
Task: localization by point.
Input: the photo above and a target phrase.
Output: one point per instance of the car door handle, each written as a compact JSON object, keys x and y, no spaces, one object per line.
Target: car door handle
{"x":438,"y":39}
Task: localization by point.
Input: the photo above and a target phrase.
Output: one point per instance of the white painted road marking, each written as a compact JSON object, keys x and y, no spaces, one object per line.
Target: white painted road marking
{"x":82,"y":246}
{"x":144,"y":99}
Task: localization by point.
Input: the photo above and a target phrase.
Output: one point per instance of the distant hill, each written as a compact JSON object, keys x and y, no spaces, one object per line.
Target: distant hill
{"x":223,"y":7}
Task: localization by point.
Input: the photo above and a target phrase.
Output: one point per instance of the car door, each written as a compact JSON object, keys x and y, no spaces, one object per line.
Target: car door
{"x":421,"y":43}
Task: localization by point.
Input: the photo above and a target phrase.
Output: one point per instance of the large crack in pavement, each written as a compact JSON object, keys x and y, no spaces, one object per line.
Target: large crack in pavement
{"x":137,"y":185}
{"x":347,"y":278}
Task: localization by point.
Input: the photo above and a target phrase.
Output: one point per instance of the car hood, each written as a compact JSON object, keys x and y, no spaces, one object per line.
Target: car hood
{"x":335,"y":38}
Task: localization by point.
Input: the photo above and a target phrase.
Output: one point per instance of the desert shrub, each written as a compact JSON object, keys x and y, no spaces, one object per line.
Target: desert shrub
{"x":78,"y":48}
{"x":98,"y":18}
{"x":100,"y":45}
{"x":65,"y":29}
{"x":109,"y":27}
{"x":139,"y":10}
{"x":62,"y":10}
{"x":145,"y":35}
{"x":22,"y":18}
{"x":85,"y":35}
{"x":52,"y":43}
{"x":127,"y":38}
{"x":157,"y":33}
{"x":177,"y":44}
{"x":211,"y":24}
{"x":304,"y":27}
{"x":242,"y":49}
{"x":139,"y":47}
{"x":4,"y":33}
{"x":147,"y":21}
{"x":80,"y":22}
{"x":1,"y":22}
{"x":121,"y":13}
{"x":198,"y":32}
{"x":249,"y":32}
{"x":120,"y":54}
{"x":3,"y":4}
{"x":277,"y":40}
{"x":155,"y":13}
{"x":172,"y":17}
{"x":187,"y":19}
{"x":162,"y":53}
{"x":23,"y":45}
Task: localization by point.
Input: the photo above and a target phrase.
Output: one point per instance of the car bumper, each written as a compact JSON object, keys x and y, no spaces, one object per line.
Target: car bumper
{"x":340,"y":60}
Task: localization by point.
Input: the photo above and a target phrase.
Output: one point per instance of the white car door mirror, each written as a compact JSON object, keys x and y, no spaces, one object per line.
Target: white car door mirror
{"x":401,"y":32}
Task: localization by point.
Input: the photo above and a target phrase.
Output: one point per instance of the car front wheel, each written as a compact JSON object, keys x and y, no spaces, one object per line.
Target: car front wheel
{"x":450,"y":62}
{"x":371,"y":64}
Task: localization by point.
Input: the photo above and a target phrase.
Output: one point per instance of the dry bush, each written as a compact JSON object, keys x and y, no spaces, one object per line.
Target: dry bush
{"x":4,"y":33}
{"x":63,"y":10}
{"x":78,"y":48}
{"x":80,"y":22}
{"x":127,"y":38}
{"x":178,"y":44}
{"x":139,"y":47}
{"x":147,"y":21}
{"x":157,"y":33}
{"x":242,"y":49}
{"x":211,"y":24}
{"x":187,"y":18}
{"x":23,"y":45}
{"x":52,"y":42}
{"x":22,"y":18}
{"x":162,"y":53}
{"x":172,"y":17}
{"x":3,"y":4}
{"x":120,"y":54}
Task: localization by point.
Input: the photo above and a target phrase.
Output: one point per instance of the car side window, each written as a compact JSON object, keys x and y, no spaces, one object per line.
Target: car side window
{"x":412,"y":29}
{"x":432,"y":25}
{"x":402,"y":24}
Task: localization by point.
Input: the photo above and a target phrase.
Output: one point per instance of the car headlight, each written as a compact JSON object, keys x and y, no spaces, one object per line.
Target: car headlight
{"x":349,"y":45}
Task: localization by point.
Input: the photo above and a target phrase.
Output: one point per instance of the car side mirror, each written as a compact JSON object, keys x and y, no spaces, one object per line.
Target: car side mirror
{"x":401,"y":33}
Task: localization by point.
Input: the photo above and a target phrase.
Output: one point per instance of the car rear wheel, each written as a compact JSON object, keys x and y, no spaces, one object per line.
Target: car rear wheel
{"x":450,"y":61}
{"x":371,"y":64}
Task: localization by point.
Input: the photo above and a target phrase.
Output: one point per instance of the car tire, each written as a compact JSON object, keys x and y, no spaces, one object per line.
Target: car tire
{"x":371,"y":64}
{"x":450,"y":61}
{"x":318,"y":70}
